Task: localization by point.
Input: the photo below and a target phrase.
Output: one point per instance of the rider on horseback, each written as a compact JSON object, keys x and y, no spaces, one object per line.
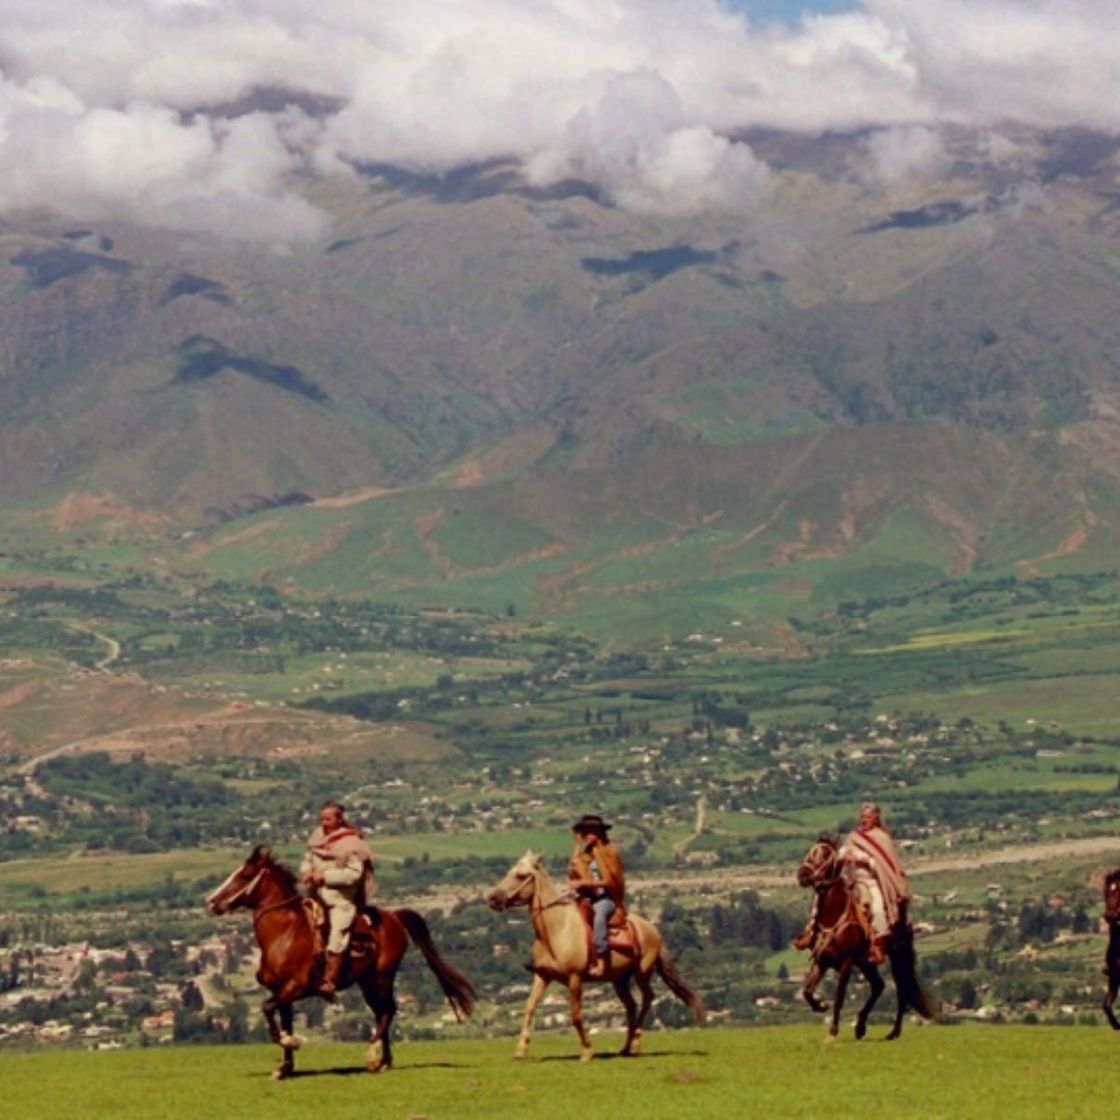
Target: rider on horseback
{"x":595,"y":873}
{"x":871,"y":863}
{"x":339,"y":863}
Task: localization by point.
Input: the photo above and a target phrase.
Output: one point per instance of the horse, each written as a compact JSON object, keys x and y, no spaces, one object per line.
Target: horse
{"x":291,"y":963}
{"x":1112,"y":953}
{"x":841,"y":943}
{"x":562,"y":953}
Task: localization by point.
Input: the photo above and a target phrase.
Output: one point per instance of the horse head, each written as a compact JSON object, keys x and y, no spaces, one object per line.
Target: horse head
{"x":518,"y":885}
{"x":819,"y":864}
{"x":240,"y":887}
{"x":1112,"y":897}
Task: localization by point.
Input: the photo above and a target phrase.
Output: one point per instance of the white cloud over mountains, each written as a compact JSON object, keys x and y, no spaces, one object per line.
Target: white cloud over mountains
{"x":123,"y":107}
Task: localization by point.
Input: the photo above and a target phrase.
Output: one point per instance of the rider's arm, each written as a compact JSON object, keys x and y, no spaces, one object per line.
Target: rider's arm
{"x":610,"y":867}
{"x":345,"y":873}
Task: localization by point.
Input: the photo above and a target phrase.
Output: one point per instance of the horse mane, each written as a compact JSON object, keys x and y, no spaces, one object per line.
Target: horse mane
{"x":831,"y":838}
{"x":262,"y":854}
{"x":1111,"y":877}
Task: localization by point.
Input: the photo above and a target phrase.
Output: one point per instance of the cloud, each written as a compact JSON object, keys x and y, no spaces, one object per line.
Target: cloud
{"x":142,"y":108}
{"x":895,"y":155}
{"x":638,"y":144}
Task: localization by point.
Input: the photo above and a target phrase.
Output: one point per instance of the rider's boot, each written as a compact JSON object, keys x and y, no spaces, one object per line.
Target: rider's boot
{"x":329,"y":984}
{"x":598,"y":966}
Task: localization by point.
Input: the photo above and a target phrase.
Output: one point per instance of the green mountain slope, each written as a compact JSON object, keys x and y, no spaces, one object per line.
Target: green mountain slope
{"x":480,"y":392}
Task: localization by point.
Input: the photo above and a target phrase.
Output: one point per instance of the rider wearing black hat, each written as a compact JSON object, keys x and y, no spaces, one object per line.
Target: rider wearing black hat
{"x":595,"y":873}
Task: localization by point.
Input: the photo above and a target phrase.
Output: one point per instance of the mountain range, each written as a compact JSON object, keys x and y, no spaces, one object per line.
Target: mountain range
{"x":481,"y":392}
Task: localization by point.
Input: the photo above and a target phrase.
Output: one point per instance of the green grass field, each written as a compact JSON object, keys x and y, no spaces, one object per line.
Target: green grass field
{"x":958,"y":1072}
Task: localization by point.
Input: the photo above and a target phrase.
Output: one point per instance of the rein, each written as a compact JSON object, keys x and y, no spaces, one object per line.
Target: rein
{"x":848,"y":916}
{"x":262,"y":910}
{"x":537,"y":907}
{"x":246,"y":892}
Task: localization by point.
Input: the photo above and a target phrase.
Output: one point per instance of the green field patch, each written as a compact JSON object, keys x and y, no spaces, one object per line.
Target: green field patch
{"x":111,"y":871}
{"x":1081,"y":704}
{"x":1017,"y":777}
{"x":511,"y":843}
{"x":781,"y":1073}
{"x":484,"y":537}
{"x":946,"y":640}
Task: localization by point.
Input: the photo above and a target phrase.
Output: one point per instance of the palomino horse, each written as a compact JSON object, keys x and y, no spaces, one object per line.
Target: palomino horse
{"x":1112,"y":954}
{"x":841,"y":943}
{"x":291,"y":966}
{"x":561,"y":951}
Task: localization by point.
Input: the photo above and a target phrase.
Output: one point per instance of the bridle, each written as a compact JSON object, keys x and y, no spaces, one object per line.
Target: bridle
{"x":822,"y":872}
{"x":819,"y":865}
{"x":246,"y":891}
{"x":533,"y":898}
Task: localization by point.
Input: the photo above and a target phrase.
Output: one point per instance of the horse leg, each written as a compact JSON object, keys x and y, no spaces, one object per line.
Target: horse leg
{"x":1110,"y":999}
{"x":575,"y":992}
{"x":535,"y":994}
{"x":809,"y":988}
{"x":622,"y":990}
{"x":281,"y":1033}
{"x":645,"y":989}
{"x":843,"y":973}
{"x":900,"y":1009}
{"x":377,"y":988}
{"x":875,"y":983}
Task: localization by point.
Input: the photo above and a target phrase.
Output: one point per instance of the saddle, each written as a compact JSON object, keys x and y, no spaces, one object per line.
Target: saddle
{"x":363,"y":933}
{"x":621,"y":935}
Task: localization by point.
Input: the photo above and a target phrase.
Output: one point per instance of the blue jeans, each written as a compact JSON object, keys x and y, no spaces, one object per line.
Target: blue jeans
{"x":602,"y":908}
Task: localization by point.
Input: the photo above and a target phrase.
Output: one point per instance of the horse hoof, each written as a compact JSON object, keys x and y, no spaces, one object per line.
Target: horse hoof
{"x":375,"y":1067}
{"x":830,"y":1037}
{"x":280,"y":1074}
{"x":586,"y":1055}
{"x":290,"y":1041}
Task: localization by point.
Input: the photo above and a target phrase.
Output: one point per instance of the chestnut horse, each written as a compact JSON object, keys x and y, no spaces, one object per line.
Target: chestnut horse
{"x":1112,"y":954}
{"x":561,"y":952}
{"x":291,"y":965}
{"x":841,"y":943}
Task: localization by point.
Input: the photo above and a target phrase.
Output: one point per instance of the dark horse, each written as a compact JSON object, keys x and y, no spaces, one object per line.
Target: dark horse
{"x":1112,"y":954}
{"x":841,"y":943}
{"x":291,"y":965}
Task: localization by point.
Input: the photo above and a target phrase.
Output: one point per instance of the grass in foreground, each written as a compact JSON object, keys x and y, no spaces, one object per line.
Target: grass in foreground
{"x":959,"y":1072}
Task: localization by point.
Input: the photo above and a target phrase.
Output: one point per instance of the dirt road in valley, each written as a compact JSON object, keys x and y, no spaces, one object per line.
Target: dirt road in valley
{"x":1104,"y":848}
{"x":769,"y":877}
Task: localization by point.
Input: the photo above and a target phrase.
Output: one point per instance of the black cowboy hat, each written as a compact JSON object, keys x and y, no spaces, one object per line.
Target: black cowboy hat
{"x":591,"y":822}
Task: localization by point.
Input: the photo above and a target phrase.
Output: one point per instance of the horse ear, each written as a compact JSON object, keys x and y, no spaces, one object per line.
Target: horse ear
{"x":262,"y":853}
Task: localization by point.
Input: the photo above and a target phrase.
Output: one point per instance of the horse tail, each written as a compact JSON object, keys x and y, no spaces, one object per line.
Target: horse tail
{"x":456,"y":987}
{"x":911,"y":990}
{"x":667,"y":970}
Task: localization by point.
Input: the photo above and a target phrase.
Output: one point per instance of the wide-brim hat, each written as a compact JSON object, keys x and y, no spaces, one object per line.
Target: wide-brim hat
{"x":591,"y":822}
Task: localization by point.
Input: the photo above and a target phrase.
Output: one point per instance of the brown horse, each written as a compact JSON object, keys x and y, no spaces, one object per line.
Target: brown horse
{"x":841,"y":943}
{"x":1112,"y":954}
{"x":291,"y":963}
{"x":561,"y":952}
